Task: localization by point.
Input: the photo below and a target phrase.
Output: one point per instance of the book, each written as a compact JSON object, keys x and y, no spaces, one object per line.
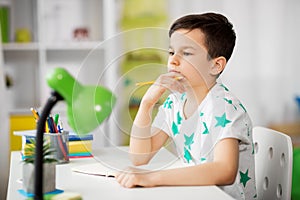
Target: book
{"x":109,"y":161}
{"x":81,"y":155}
{"x":72,"y":135}
{"x":80,"y":146}
{"x":95,"y":169}
{"x":101,"y":169}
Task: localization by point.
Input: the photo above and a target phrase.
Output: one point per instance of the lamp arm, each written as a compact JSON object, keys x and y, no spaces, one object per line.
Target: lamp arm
{"x":38,"y":164}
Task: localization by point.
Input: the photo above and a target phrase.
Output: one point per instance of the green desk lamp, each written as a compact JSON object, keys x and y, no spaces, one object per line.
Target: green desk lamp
{"x":87,"y":108}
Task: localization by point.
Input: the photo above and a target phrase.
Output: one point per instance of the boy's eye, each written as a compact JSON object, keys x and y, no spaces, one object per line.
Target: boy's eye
{"x":187,"y":53}
{"x":171,"y":53}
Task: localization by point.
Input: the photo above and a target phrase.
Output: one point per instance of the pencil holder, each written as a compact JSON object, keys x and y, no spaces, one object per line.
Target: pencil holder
{"x":60,"y":143}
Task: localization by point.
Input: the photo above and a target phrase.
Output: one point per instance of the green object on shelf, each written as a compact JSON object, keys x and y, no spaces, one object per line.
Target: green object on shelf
{"x":4,"y":19}
{"x":23,"y":35}
{"x":296,"y":175}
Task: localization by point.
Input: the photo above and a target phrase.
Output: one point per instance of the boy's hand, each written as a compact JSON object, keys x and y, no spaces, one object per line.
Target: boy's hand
{"x":172,"y":81}
{"x":133,"y":177}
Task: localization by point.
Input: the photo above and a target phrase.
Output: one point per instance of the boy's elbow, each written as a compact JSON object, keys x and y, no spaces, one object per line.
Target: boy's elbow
{"x":227,"y":177}
{"x":230,"y":179}
{"x":138,"y":160}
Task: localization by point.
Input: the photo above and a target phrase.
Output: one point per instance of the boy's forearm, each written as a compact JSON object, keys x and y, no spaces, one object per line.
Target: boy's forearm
{"x":140,"y":138}
{"x":205,"y":174}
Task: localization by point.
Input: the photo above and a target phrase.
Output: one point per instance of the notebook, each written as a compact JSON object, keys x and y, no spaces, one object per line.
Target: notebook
{"x":108,"y":167}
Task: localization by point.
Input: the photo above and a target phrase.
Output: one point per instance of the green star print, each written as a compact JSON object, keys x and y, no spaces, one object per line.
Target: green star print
{"x":229,"y":101}
{"x":189,"y":140}
{"x":244,"y":178}
{"x":222,"y":121}
{"x":179,"y":118}
{"x":174,"y":129}
{"x":182,"y":96}
{"x":225,"y":88}
{"x":168,"y":103}
{"x":187,"y":155}
{"x":243,"y":107}
{"x":206,"y":129}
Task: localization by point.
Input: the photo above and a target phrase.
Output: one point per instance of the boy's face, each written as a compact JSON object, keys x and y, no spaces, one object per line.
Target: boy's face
{"x":189,"y":57}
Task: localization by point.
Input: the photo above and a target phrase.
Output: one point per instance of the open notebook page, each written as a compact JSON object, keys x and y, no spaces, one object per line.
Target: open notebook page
{"x":108,"y":162}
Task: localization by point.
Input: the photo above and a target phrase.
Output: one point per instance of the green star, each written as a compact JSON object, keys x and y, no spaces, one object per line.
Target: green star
{"x":206,"y":131}
{"x":222,"y":121}
{"x":202,"y":159}
{"x":244,"y":178}
{"x":201,"y":114}
{"x":189,"y":140}
{"x":175,"y":129}
{"x":187,"y":155}
{"x":179,"y":118}
{"x":168,"y":103}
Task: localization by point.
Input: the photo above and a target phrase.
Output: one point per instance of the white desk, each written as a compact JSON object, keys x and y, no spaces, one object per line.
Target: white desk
{"x":98,"y":187}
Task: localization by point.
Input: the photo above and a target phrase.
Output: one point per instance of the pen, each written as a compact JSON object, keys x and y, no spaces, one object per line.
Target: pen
{"x":60,"y":126}
{"x":144,"y":83}
{"x":35,"y":114}
{"x":54,"y":127}
{"x":151,"y":82}
{"x":50,"y":127}
{"x":56,"y":116}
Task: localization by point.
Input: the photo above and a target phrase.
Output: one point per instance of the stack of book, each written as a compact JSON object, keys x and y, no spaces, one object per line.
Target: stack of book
{"x":80,"y":146}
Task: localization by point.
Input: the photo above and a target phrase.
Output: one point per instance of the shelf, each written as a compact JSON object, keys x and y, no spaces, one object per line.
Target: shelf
{"x":63,"y":33}
{"x":81,"y":45}
{"x":58,"y":46}
{"x":20,"y":46}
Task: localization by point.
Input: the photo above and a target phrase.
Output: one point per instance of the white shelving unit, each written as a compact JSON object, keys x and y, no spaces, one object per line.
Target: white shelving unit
{"x":51,"y":24}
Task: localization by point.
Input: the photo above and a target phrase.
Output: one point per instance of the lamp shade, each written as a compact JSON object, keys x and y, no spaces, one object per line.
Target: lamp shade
{"x":87,"y":106}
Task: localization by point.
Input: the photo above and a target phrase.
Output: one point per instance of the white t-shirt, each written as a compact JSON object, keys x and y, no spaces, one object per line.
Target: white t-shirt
{"x":220,"y":115}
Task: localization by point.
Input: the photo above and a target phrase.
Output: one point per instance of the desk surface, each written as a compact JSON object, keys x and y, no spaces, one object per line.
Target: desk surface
{"x":93,"y":187}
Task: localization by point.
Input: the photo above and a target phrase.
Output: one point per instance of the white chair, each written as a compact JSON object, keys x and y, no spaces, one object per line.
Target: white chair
{"x":273,"y":164}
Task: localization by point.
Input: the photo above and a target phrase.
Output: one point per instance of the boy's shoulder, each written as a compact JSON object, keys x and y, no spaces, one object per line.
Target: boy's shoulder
{"x":221,"y":95}
{"x":222,"y":92}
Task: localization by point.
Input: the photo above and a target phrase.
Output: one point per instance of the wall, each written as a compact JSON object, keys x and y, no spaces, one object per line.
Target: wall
{"x":264,"y":69}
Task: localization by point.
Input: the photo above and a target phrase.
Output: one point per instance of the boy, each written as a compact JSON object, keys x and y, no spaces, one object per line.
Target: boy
{"x":211,"y":129}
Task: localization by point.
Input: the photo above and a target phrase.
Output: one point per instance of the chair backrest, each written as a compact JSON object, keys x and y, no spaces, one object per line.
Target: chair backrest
{"x":273,"y":164}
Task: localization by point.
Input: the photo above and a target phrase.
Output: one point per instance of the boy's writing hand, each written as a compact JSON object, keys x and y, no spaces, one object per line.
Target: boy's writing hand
{"x":172,"y":81}
{"x":132,"y":177}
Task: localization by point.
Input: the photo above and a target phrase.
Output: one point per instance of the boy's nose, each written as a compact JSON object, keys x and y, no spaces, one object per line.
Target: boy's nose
{"x":174,"y":60}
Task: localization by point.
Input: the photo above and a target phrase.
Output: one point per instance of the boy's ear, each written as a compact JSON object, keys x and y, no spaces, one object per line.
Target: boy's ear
{"x":219,"y":65}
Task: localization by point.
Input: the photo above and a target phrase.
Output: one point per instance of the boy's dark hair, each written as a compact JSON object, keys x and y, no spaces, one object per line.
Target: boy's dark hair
{"x":219,"y":34}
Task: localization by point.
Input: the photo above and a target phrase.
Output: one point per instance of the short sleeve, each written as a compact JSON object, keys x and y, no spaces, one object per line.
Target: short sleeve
{"x":161,"y":120}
